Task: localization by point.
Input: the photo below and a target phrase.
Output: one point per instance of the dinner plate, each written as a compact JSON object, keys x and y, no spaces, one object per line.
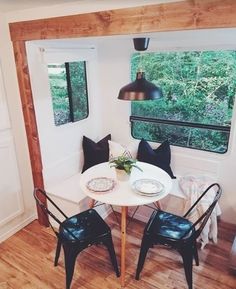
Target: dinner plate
{"x":148,"y":195}
{"x":148,"y":187}
{"x":101,"y":184}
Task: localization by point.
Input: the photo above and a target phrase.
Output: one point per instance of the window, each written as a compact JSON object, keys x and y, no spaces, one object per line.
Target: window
{"x":68,"y":85}
{"x":199,"y":90}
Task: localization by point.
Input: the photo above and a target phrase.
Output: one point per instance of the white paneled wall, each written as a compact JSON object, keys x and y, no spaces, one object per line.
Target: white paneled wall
{"x":10,"y":188}
{"x":4,"y":117}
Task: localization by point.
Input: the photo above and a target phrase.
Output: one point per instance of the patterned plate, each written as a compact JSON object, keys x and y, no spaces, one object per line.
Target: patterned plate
{"x":148,"y":187}
{"x":101,"y":184}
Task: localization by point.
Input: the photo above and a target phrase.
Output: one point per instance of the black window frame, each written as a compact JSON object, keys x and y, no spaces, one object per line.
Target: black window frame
{"x":70,"y":93}
{"x":225,"y":129}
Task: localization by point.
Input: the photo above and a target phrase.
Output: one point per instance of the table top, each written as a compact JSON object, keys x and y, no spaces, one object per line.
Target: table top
{"x":123,"y":192}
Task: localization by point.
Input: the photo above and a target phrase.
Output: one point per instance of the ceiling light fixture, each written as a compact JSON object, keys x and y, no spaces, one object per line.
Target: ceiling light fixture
{"x":140,"y":89}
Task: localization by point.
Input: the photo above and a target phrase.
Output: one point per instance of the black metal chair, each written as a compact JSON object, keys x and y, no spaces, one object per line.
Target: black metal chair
{"x":177,"y":233}
{"x":77,"y":233}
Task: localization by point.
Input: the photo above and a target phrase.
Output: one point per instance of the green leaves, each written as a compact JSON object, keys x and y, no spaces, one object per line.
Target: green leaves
{"x":198,"y":87}
{"x":191,"y":81}
{"x":123,"y":162}
{"x":68,"y":85}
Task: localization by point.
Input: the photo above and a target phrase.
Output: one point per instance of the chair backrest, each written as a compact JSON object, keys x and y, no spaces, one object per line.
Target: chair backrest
{"x":202,"y":220}
{"x":40,"y":192}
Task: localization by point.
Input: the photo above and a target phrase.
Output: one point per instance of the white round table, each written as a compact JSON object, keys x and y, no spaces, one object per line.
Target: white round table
{"x":123,"y":194}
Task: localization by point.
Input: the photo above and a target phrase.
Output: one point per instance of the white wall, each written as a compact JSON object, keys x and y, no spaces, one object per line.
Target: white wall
{"x":16,"y":137}
{"x":61,"y":146}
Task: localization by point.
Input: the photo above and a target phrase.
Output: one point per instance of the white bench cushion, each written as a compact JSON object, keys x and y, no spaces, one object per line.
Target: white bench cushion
{"x":68,"y":190}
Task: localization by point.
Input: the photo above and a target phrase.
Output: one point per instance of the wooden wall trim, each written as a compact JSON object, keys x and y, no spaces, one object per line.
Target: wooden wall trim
{"x":29,"y":119}
{"x":189,"y":14}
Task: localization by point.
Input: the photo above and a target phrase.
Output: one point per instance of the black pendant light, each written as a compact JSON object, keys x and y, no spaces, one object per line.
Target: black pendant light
{"x":140,"y":89}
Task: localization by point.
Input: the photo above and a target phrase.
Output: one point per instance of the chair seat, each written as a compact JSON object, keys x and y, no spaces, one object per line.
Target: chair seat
{"x":170,"y":226}
{"x":84,"y":226}
{"x":178,"y":233}
{"x":77,"y":233}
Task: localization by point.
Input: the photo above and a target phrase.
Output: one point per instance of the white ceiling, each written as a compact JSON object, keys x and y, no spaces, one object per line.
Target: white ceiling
{"x":202,"y":39}
{"x":16,"y":5}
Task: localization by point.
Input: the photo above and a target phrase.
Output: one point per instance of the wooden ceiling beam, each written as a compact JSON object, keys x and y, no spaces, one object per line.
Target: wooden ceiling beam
{"x":190,"y":14}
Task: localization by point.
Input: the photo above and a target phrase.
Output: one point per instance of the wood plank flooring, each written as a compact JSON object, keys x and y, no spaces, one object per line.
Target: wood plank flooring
{"x":26,"y":262}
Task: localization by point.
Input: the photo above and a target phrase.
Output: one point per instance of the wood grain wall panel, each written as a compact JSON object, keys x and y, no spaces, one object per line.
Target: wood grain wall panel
{"x":163,"y":17}
{"x":29,"y":118}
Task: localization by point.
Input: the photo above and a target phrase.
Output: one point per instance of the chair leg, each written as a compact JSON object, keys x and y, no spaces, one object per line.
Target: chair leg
{"x":132,"y":217}
{"x":91,"y":203}
{"x":145,"y":245}
{"x":187,"y":256}
{"x":109,"y":244}
{"x":158,"y":205}
{"x":70,"y":258}
{"x":58,"y":250}
{"x":195,"y":253}
{"x":117,"y":220}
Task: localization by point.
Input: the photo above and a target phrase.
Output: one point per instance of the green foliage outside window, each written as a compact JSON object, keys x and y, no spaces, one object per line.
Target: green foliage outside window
{"x":68,"y":85}
{"x":78,"y":90}
{"x":198,"y":86}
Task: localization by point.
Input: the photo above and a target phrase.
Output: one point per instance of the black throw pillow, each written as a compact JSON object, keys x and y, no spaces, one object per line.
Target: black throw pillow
{"x":95,"y":153}
{"x":159,"y":157}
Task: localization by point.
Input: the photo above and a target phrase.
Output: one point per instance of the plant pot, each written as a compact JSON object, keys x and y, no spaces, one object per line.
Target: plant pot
{"x":121,"y":175}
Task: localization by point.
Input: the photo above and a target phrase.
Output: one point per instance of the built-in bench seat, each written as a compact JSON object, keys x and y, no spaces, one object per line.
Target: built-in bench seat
{"x":68,"y":195}
{"x":68,"y":189}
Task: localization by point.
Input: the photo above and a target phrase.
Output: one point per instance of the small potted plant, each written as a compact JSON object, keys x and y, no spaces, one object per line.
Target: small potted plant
{"x":123,"y":165}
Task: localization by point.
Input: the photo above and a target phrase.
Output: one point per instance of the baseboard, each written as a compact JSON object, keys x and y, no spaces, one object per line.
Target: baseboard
{"x":18,"y":227}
